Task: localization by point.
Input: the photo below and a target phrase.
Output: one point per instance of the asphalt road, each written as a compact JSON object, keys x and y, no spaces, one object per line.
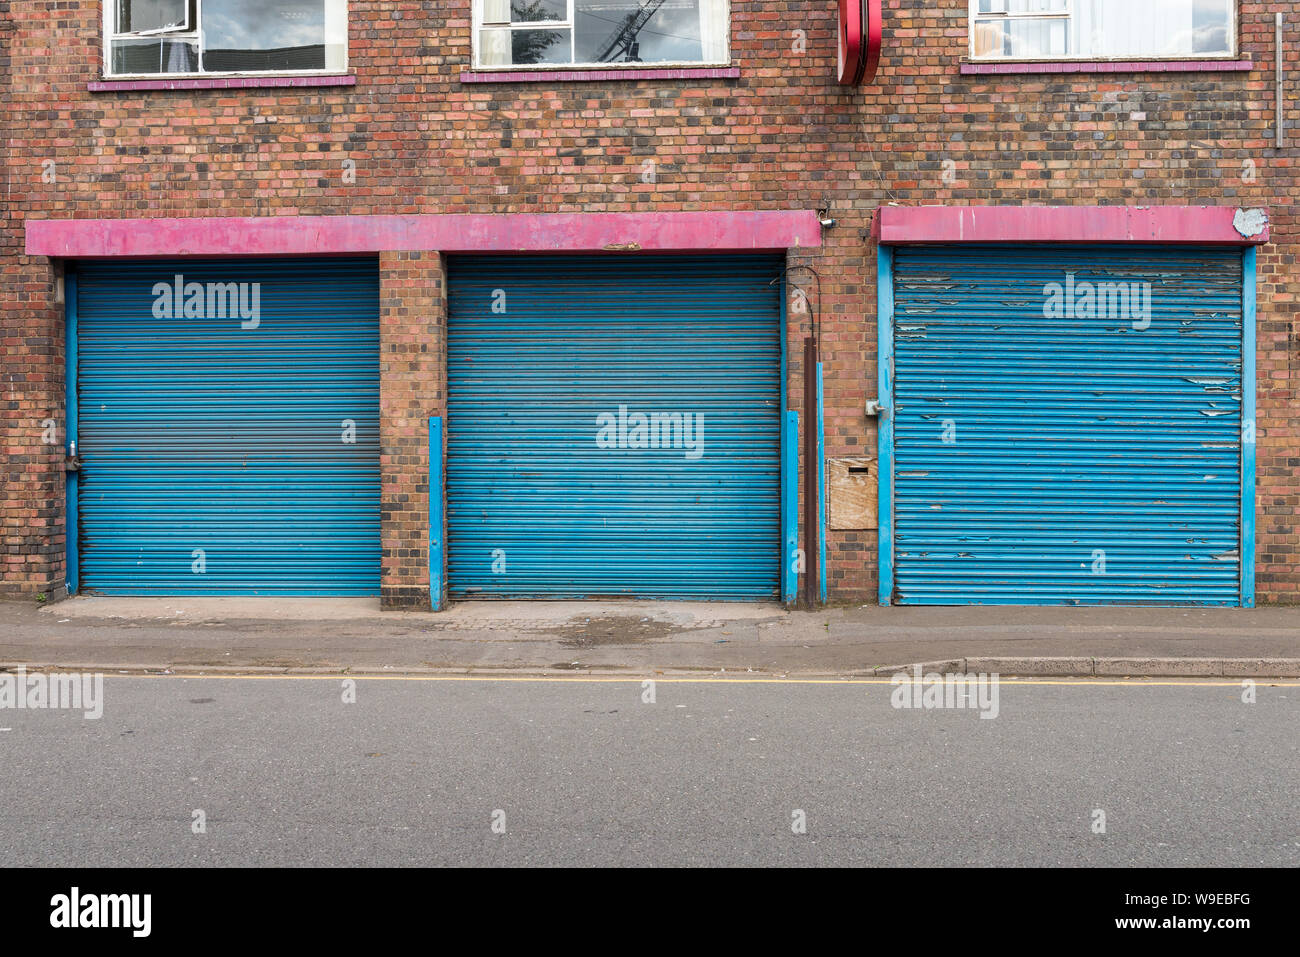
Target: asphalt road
{"x":585,"y":772}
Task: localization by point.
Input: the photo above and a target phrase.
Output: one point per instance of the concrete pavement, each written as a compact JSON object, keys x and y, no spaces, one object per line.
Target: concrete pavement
{"x":712,"y":772}
{"x":642,"y":637}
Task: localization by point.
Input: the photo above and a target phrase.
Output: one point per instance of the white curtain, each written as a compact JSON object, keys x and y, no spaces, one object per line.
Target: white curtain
{"x":1138,"y":28}
{"x":715,"y":29}
{"x":336,"y":34}
{"x":177,"y":53}
{"x":494,"y":46}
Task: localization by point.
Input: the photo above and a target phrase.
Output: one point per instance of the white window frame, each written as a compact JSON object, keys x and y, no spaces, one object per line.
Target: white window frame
{"x":477,"y":25}
{"x":195,"y":34}
{"x":1068,"y":15}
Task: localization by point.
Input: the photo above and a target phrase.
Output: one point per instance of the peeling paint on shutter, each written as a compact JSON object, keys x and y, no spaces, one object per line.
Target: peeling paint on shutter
{"x":1045,"y":458}
{"x":536,"y":508}
{"x":201,"y":439}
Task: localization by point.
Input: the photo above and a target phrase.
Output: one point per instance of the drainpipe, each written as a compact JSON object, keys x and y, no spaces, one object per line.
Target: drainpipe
{"x":811,"y":490}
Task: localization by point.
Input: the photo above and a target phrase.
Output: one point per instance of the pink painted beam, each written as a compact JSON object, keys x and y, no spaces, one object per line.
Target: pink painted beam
{"x":739,"y":231}
{"x":1201,"y":225}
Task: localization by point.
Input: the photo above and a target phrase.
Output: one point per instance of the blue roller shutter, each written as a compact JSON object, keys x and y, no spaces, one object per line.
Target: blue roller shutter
{"x":216,"y":458}
{"x":538,"y":503}
{"x":1051,"y":450}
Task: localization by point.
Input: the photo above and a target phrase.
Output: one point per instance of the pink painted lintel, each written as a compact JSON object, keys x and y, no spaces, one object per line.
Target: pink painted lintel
{"x":1186,"y":225}
{"x":221,"y":82}
{"x":729,"y":231}
{"x":574,"y":76}
{"x":1111,"y":66}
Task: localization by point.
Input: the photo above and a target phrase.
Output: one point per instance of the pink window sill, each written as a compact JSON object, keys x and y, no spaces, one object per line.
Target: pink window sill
{"x":571,"y":76}
{"x":1112,"y":66}
{"x":220,"y":83}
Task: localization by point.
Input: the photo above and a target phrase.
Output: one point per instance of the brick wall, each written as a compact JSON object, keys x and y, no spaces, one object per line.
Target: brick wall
{"x":412,"y":327}
{"x":781,"y":136}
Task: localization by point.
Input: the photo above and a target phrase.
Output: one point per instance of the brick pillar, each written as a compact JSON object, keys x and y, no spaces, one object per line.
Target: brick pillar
{"x":33,"y":428}
{"x":412,"y":343}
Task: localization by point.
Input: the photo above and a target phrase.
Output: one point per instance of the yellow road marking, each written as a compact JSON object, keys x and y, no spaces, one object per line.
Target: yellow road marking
{"x":629,"y":679}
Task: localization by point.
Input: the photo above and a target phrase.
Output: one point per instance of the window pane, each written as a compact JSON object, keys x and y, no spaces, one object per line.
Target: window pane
{"x":628,"y":31}
{"x":136,"y":15}
{"x":1037,"y":38}
{"x":1022,"y":6}
{"x":1027,"y":38}
{"x":243,"y":35}
{"x":989,"y":40}
{"x":1210,"y":29}
{"x":496,"y":11}
{"x":1106,"y":29}
{"x":1119,"y":28}
{"x":1035,"y":6}
{"x":494,"y":47}
{"x":155,"y":56}
{"x":539,"y":46}
{"x":530,"y":11}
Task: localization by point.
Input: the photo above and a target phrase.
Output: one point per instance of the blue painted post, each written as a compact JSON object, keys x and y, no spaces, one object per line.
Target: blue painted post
{"x":789,"y":504}
{"x":885,"y":424}
{"x":1248,"y":427}
{"x":821,"y":484}
{"x":436,"y":509}
{"x":71,"y":480}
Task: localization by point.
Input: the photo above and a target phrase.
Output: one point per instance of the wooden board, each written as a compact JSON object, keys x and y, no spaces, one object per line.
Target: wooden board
{"x":854,"y":493}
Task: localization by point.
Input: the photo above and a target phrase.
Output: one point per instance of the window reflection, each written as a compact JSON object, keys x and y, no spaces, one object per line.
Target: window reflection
{"x":252,"y":35}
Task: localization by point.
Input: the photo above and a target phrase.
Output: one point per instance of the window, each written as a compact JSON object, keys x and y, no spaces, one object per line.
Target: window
{"x":149,"y":37}
{"x":1102,"y":29}
{"x":550,"y":33}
